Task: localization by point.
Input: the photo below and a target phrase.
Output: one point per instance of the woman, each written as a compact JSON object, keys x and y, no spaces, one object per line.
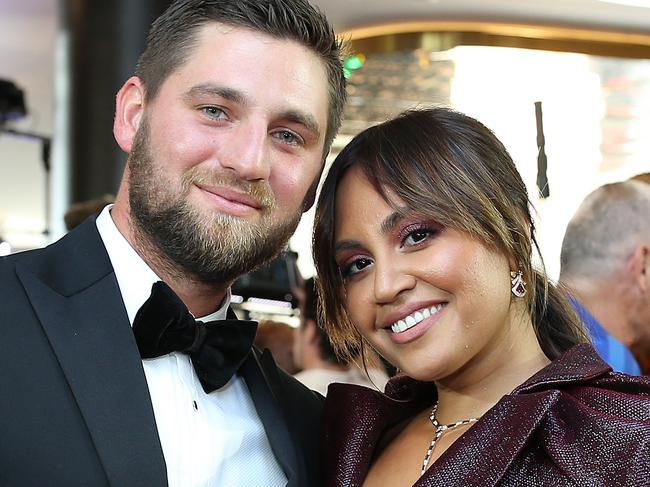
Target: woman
{"x":423,"y":243}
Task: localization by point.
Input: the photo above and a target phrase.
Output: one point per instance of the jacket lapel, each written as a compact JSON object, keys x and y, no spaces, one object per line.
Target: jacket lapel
{"x":486,"y":457}
{"x":264,"y":384}
{"x":517,"y":416}
{"x":77,"y":301}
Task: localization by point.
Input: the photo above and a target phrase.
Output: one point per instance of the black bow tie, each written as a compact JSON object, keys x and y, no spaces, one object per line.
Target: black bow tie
{"x":217,"y":348}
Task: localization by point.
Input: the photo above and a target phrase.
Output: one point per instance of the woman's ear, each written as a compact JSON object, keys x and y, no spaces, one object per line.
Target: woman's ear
{"x":129,"y":110}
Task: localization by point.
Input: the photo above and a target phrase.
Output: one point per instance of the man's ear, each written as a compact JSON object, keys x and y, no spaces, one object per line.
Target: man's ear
{"x":129,"y":110}
{"x":644,"y":278}
{"x":640,"y":264}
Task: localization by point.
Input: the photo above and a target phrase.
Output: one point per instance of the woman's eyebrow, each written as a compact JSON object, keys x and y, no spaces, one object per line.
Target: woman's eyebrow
{"x":391,"y":221}
{"x":346,"y":245}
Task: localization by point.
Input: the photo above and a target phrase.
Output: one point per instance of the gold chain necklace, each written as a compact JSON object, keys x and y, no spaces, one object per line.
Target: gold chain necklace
{"x":440,"y":429}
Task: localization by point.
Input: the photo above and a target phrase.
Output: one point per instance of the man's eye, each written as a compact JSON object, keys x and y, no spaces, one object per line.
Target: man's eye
{"x":288,"y":137}
{"x":214,"y":113}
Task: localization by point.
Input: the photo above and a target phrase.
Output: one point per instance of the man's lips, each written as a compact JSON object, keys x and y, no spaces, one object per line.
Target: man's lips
{"x":230,"y":200}
{"x":232,"y":195}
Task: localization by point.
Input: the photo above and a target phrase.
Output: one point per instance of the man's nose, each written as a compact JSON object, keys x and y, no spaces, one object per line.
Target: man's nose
{"x":247,"y":152}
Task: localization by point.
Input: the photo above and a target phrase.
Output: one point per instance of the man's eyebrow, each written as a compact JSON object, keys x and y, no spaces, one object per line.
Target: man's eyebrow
{"x":207,"y":90}
{"x":305,"y":119}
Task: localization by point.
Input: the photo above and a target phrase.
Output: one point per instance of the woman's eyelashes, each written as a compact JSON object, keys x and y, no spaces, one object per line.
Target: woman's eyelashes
{"x":354,"y":266}
{"x":417,"y":233}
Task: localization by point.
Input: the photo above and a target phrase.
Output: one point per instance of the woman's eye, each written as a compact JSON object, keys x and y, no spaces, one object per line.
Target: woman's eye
{"x":214,"y":113}
{"x":355,"y":267}
{"x":417,"y":236}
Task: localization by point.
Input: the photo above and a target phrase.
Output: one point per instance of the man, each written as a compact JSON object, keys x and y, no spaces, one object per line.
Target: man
{"x":227,"y":123}
{"x":605,"y":265}
{"x":313,"y":353}
{"x":644,"y":357}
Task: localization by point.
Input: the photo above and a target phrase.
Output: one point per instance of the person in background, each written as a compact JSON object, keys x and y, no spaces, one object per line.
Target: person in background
{"x":80,"y":211}
{"x":424,"y":246}
{"x":605,"y":266}
{"x":321,"y":366}
{"x":107,"y":377}
{"x":278,"y":338}
{"x":644,"y":361}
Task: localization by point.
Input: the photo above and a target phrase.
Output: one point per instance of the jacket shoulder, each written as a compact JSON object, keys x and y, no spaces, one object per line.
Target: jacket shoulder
{"x":618,"y":396}
{"x":68,"y":265}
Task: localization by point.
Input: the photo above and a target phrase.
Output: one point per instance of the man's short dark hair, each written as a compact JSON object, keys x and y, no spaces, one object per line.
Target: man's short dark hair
{"x":174,"y":34}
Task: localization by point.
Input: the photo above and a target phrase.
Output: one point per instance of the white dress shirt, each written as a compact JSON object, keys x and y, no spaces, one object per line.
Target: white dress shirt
{"x":214,"y":439}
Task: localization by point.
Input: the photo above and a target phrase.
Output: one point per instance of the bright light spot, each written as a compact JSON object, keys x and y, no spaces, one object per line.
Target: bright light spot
{"x":355,"y":62}
{"x":270,"y":302}
{"x":5,"y":248}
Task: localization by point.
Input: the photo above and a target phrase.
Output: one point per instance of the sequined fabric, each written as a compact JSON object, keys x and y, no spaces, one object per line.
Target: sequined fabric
{"x":575,"y":423}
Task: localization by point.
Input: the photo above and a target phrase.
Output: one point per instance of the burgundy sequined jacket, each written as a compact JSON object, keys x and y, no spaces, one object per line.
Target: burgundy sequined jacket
{"x":574,"y":423}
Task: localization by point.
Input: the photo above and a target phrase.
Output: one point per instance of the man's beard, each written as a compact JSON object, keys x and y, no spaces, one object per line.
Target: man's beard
{"x":209,"y":246}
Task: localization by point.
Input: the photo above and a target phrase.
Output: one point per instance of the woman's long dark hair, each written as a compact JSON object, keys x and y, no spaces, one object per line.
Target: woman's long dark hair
{"x":448,"y":166}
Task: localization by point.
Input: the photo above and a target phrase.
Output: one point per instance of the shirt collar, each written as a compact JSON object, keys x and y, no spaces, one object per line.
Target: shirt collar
{"x":134,"y":276}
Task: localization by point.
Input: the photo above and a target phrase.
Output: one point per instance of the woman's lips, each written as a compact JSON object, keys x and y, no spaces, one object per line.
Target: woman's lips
{"x":415,"y":324}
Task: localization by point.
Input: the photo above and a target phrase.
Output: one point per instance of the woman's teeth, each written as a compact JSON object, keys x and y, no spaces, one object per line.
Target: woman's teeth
{"x":413,"y":319}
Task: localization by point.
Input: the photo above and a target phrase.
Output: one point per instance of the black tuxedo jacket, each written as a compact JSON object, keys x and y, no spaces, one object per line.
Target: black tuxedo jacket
{"x":75,"y":409}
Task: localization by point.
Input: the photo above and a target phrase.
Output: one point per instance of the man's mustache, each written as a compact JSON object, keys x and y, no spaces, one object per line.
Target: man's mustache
{"x":260,"y":191}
